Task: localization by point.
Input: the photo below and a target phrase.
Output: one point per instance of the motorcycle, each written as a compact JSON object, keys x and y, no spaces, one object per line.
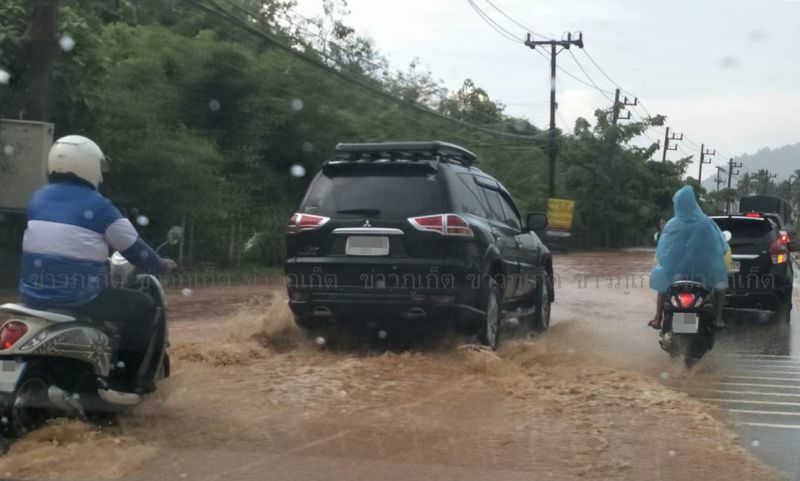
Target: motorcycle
{"x":55,"y":363}
{"x":688,"y":326}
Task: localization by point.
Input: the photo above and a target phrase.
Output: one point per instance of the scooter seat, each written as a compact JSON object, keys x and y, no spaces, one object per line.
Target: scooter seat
{"x":52,"y":316}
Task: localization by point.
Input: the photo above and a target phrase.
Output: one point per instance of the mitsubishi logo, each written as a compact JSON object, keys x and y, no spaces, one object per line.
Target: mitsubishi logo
{"x":367,"y":224}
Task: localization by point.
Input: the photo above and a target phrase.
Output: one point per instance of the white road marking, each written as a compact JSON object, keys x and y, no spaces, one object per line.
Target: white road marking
{"x":750,"y":384}
{"x":757,"y":393}
{"x":745,"y":401}
{"x":760,"y":378}
{"x":763,"y":413}
{"x":774,"y":426}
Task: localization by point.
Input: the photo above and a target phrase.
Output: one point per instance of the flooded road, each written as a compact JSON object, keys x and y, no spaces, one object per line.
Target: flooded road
{"x":595,"y":398}
{"x":752,"y":375}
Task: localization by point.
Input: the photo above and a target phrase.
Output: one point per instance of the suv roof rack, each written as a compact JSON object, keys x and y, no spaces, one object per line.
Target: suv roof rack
{"x":414,"y":151}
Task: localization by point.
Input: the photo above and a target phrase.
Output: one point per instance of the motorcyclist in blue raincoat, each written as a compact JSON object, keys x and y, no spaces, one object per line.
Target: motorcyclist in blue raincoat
{"x":691,"y":246}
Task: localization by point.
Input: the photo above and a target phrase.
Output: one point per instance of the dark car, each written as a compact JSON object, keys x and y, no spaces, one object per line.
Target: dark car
{"x":413,"y":231}
{"x":762,"y":274}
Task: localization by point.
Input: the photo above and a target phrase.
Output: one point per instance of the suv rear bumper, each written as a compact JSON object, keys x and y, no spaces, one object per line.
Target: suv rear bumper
{"x":754,"y":291}
{"x":319,"y":308}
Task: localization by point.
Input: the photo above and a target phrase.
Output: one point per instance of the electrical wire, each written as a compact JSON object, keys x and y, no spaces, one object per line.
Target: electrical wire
{"x":495,"y":26}
{"x":516,"y":22}
{"x":588,"y":76}
{"x":228,"y":16}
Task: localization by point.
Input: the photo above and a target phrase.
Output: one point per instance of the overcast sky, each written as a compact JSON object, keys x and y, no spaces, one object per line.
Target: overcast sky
{"x":724,"y":72}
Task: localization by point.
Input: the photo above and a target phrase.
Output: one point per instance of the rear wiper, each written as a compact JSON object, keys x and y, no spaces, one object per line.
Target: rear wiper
{"x":360,"y":211}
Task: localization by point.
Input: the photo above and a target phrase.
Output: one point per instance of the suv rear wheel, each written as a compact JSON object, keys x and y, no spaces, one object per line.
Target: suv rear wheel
{"x":783,"y":311}
{"x":541,"y":318}
{"x":490,"y":329}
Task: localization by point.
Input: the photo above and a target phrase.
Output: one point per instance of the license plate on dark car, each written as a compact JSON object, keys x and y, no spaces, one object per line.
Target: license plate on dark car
{"x":367,"y":246}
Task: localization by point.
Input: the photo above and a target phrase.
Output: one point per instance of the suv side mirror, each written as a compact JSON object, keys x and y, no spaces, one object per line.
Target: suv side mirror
{"x":535,"y":222}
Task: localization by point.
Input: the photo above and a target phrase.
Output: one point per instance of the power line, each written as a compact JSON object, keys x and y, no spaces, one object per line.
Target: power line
{"x":228,"y":16}
{"x":588,"y":76}
{"x":513,"y":20}
{"x":495,"y":26}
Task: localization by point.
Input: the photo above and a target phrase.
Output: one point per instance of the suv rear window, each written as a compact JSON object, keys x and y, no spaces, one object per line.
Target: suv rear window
{"x":747,"y":231}
{"x":388,"y":191}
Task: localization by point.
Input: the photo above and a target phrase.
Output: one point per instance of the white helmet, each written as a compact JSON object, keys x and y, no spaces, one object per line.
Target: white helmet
{"x":79,"y":156}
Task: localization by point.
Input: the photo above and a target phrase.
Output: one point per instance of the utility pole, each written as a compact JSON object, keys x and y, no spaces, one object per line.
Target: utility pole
{"x":718,"y":180}
{"x":554,"y":44}
{"x":703,"y":153}
{"x":667,"y":138}
{"x":765,"y":184}
{"x":621,"y":105}
{"x":731,"y":165}
{"x":40,"y":46}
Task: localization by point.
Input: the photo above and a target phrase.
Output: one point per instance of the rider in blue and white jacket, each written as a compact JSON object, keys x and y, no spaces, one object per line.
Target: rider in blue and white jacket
{"x":71,"y":230}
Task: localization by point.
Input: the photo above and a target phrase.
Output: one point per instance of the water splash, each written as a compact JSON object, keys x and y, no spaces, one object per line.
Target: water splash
{"x":297,"y":105}
{"x":8,"y":149}
{"x":143,"y":221}
{"x":5,"y":77}
{"x":214,"y":105}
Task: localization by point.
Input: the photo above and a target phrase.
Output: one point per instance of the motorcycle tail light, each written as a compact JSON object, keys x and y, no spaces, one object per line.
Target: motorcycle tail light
{"x":686,"y":299}
{"x":11,"y":332}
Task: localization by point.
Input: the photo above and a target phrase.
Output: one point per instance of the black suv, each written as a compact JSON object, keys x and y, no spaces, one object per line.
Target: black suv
{"x":398,"y":232}
{"x":762,"y":274}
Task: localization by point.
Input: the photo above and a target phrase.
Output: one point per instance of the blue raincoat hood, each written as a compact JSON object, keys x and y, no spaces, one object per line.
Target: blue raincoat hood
{"x":691,"y":246}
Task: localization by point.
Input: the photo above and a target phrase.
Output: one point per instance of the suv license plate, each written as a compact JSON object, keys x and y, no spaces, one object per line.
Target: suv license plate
{"x":735,"y":266}
{"x":367,"y":246}
{"x":684,"y":323}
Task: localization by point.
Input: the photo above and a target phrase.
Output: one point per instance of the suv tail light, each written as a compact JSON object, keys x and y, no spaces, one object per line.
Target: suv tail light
{"x":300,"y":222}
{"x":778,"y":252}
{"x":783,"y":238}
{"x":754,"y":215}
{"x":445,"y":224}
{"x":11,"y":332}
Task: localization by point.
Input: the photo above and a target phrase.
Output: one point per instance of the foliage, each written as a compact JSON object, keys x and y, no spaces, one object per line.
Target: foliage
{"x":202,"y":120}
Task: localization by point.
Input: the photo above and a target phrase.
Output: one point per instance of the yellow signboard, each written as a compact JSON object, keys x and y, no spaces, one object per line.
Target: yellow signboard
{"x":559,"y":213}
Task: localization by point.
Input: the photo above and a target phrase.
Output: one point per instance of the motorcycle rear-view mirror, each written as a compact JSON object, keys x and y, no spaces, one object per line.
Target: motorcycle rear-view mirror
{"x":175,"y":235}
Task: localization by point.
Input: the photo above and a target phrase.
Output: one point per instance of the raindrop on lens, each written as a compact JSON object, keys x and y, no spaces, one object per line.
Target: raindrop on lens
{"x":298,"y":170}
{"x":88,"y":215}
{"x":37,"y":263}
{"x":320,"y":341}
{"x":672,"y":453}
{"x":214,"y":105}
{"x":186,"y":292}
{"x":120,"y":364}
{"x":308,"y":147}
{"x":382,"y":335}
{"x":143,"y":221}
{"x":67,"y":43}
{"x":342,"y":393}
{"x":297,"y":105}
{"x":145,"y":254}
{"x":664,"y":376}
{"x":755,"y":443}
{"x":8,"y":149}
{"x":4,"y":76}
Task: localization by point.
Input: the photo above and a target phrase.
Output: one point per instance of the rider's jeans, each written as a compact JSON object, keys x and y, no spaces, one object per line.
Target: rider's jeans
{"x":135,"y":311}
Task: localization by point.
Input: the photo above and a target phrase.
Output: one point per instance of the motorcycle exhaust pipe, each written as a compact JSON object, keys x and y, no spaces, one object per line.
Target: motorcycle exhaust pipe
{"x":63,"y":401}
